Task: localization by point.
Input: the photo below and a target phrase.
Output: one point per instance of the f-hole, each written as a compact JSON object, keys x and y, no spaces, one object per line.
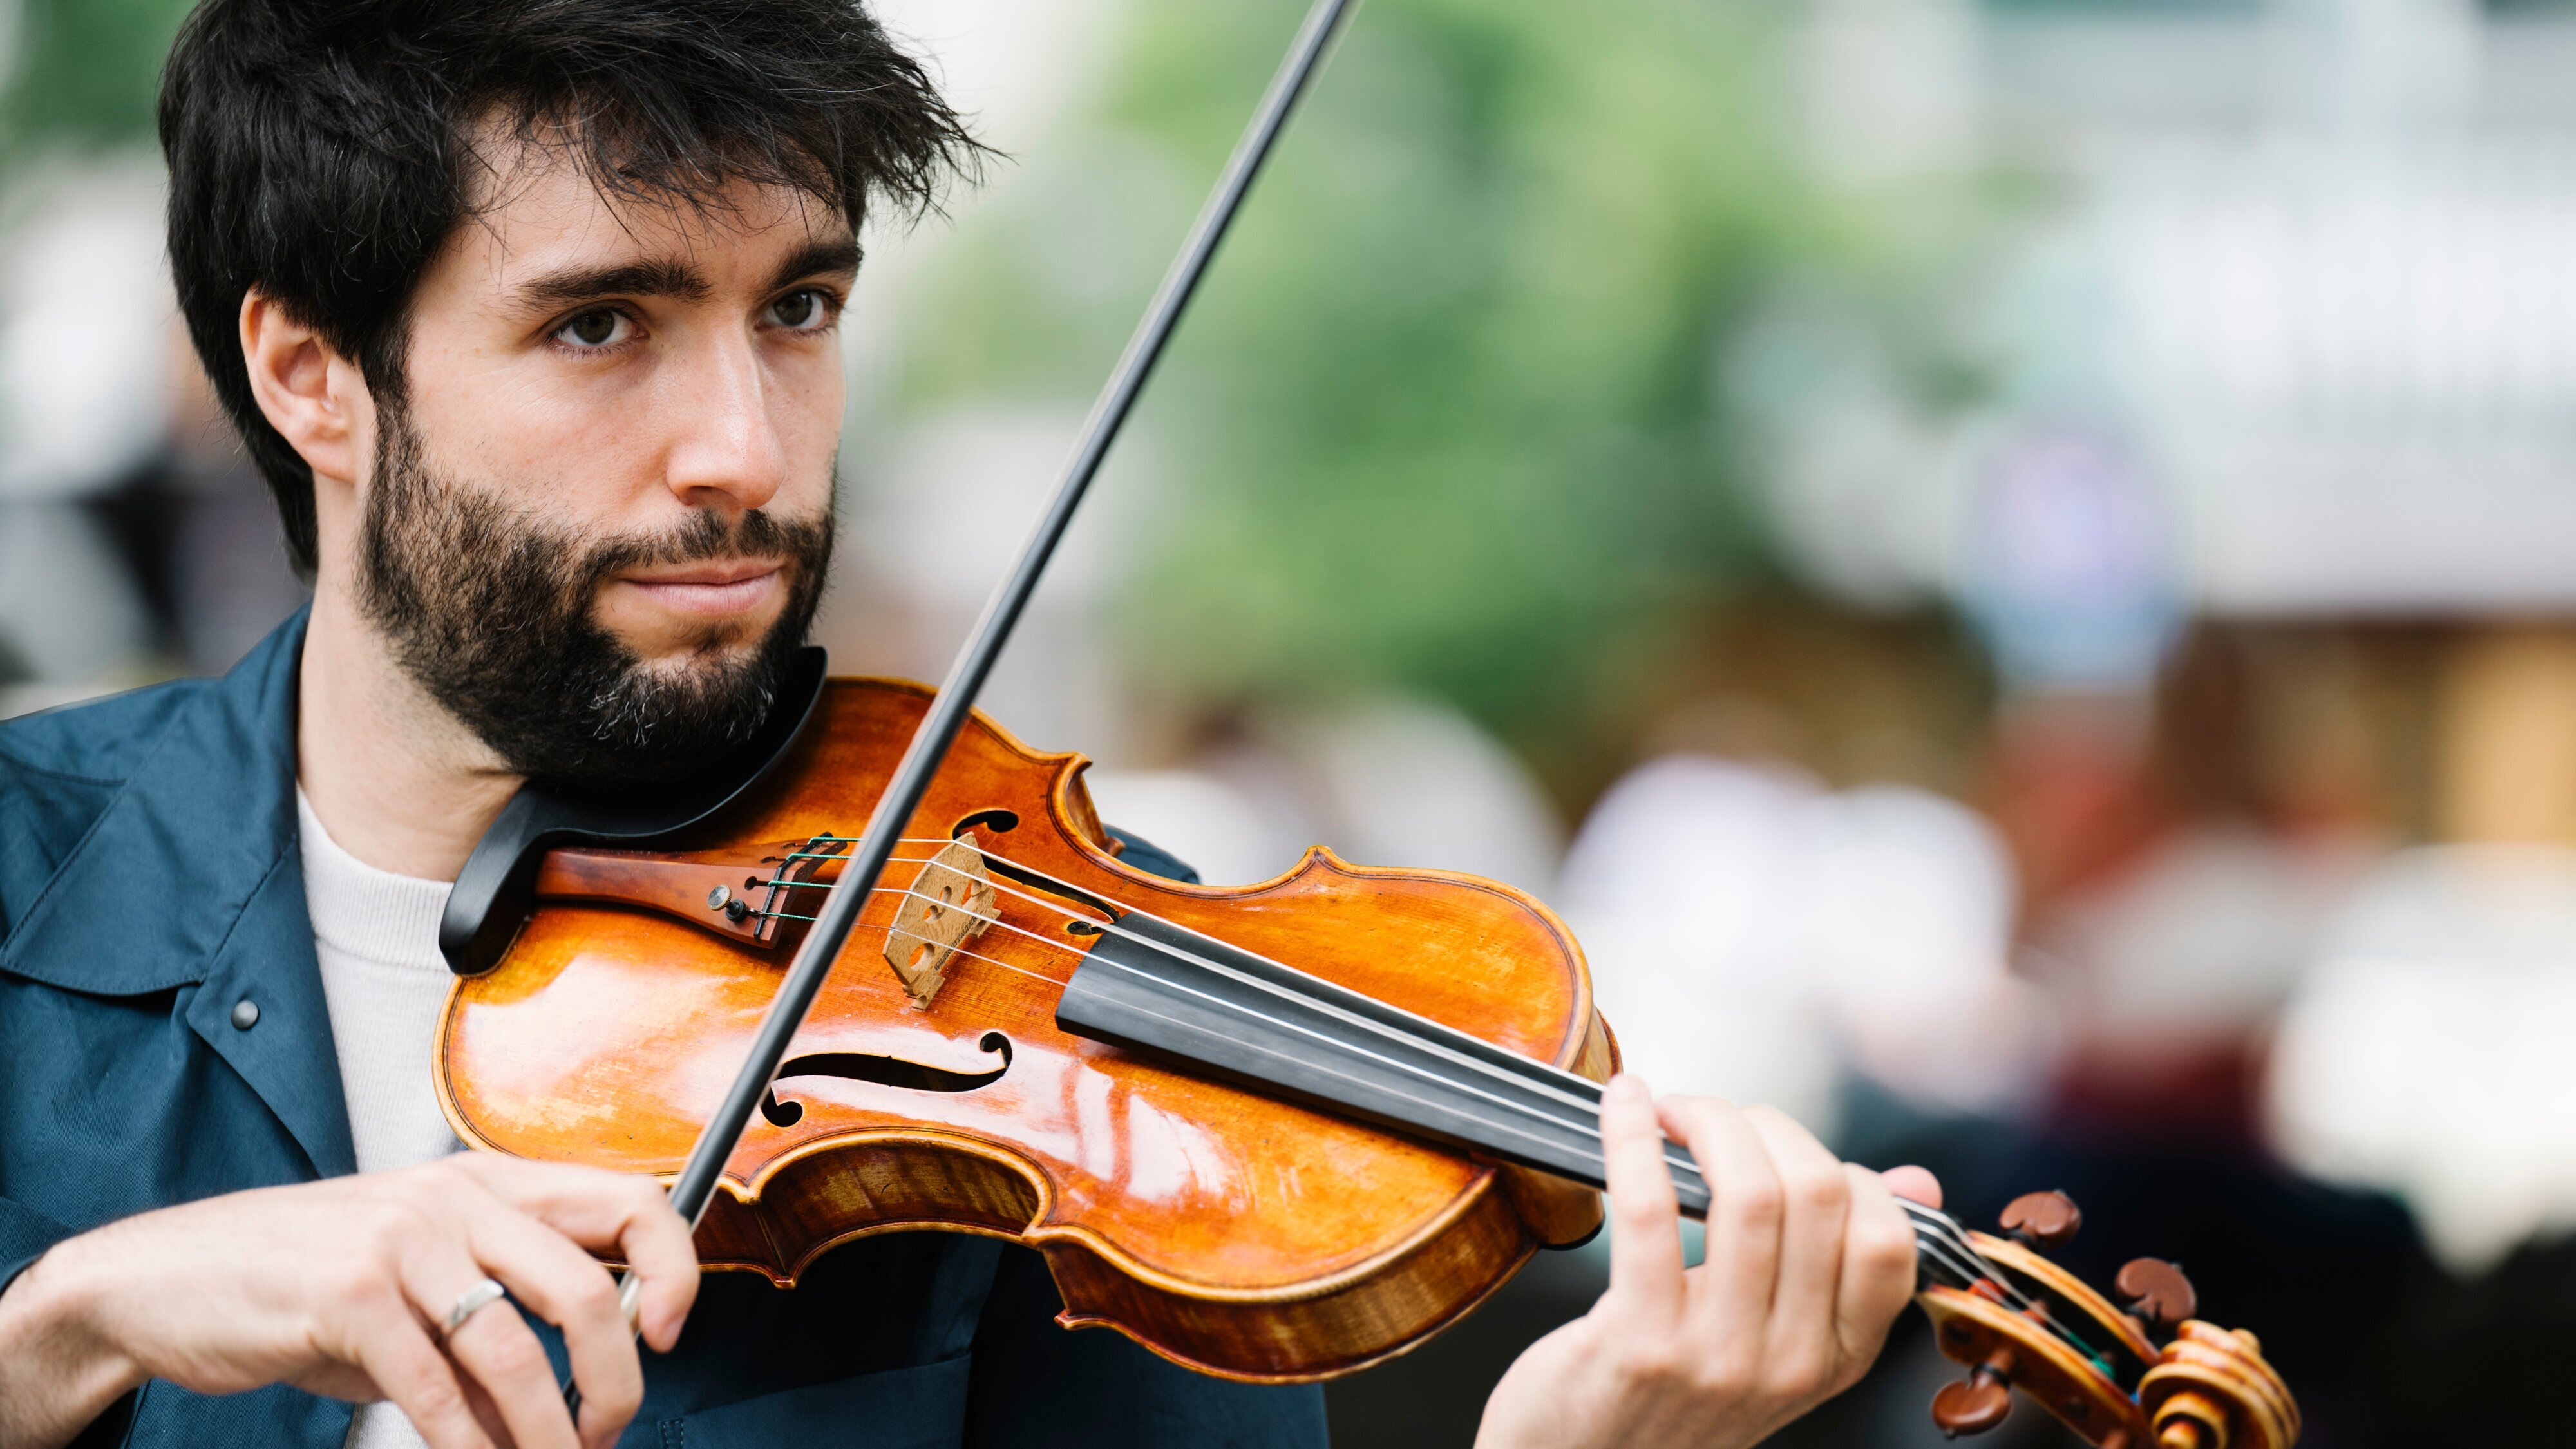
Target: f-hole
{"x":884,"y":1071}
{"x":1002,"y":822}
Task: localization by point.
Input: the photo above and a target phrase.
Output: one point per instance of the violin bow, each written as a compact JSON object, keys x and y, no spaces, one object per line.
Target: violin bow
{"x":696,"y":1185}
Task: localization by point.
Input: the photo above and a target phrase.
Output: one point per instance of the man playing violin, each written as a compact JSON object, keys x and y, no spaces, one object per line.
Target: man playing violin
{"x":526,"y":310}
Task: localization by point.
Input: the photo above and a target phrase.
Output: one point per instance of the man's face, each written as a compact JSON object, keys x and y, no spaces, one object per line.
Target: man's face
{"x":600,"y":514}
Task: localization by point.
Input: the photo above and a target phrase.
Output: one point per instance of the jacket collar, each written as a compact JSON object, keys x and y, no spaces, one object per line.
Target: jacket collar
{"x":191,"y":877}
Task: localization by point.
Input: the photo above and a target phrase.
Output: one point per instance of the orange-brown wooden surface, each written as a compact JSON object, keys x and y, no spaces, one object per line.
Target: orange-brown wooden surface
{"x":2214,"y":1390}
{"x":677,"y":889}
{"x":1228,"y":1231}
{"x":2104,"y":1325}
{"x":1973,"y":1330}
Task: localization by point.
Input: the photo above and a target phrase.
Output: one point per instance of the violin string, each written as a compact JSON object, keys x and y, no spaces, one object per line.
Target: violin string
{"x":1590,"y":1130}
{"x":930,"y":941}
{"x":962,"y":951}
{"x":1016,"y":929}
{"x":1945,"y":1234}
{"x":1543,"y":1088}
{"x":1674,"y":1155}
{"x":1583,"y":1124}
{"x":1585,"y":1128}
{"x":1950,"y":1239}
{"x":1934,"y":1244}
{"x":1941,"y":1242}
{"x":1586,"y":1107}
{"x":1587,"y":1110}
{"x":925,"y":940}
{"x":1577,"y":1124}
{"x":918,"y":895}
{"x":1935,"y":1232}
{"x":1948,"y":1262}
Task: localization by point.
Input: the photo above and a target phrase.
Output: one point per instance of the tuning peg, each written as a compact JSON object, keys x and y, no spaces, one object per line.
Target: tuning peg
{"x":2043,"y":1219}
{"x":2157,"y":1292}
{"x":1976,"y":1403}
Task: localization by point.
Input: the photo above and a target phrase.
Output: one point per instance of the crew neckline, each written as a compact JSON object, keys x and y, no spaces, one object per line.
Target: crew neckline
{"x":360,"y":909}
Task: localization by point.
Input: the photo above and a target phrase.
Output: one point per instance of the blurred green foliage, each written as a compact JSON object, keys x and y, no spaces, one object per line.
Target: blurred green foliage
{"x":1448,"y":413}
{"x":86,"y":71}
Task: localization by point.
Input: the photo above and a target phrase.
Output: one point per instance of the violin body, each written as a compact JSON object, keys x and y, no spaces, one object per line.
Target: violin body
{"x":1230,"y":1231}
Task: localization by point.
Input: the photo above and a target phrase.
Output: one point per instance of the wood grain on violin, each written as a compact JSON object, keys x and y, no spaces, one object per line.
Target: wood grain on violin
{"x":1235,"y":1233}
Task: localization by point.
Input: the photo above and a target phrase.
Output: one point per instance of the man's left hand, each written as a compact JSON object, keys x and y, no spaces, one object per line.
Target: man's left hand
{"x":1809,"y":1261}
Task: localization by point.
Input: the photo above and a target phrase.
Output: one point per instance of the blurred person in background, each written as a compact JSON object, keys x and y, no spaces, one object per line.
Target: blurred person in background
{"x":525,"y":314}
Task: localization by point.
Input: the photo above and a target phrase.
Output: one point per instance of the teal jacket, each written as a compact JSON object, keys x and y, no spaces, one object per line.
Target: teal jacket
{"x":149,"y":883}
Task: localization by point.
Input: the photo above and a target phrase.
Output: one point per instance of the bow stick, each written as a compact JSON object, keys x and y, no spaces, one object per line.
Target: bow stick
{"x":695,"y":1188}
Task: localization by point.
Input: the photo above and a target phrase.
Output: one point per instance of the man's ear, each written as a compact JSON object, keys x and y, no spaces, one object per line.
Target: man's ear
{"x":315,"y":398}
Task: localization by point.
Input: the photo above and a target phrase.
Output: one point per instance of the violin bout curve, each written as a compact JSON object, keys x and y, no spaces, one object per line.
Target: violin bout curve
{"x":1283,"y":1333}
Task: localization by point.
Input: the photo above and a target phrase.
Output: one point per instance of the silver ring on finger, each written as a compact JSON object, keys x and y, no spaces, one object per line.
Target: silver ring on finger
{"x":472,"y":1301}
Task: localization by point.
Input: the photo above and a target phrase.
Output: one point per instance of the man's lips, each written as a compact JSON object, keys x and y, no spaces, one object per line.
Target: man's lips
{"x":725,"y":587}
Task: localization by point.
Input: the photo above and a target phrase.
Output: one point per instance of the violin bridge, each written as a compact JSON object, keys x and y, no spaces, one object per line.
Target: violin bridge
{"x":949,"y":903}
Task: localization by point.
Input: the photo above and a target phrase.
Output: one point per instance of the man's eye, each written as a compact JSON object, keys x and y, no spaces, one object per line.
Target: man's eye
{"x":595,"y":329}
{"x":803,"y":310}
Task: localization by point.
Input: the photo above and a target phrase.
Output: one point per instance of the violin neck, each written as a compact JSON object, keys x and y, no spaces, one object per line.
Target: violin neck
{"x":1156,"y":987}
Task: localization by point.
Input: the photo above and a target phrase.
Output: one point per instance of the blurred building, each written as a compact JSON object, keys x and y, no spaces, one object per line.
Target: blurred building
{"x":2300,"y":268}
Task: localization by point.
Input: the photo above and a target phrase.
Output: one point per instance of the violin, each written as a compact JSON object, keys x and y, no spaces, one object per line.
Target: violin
{"x":972,"y":1064}
{"x":1275,"y":1132}
{"x":883,"y":968}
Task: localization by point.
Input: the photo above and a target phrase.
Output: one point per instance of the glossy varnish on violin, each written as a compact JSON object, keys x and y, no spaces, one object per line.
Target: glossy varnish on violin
{"x":1229,"y":1231}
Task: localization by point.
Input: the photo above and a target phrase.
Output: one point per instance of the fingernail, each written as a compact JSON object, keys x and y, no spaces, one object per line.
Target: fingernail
{"x":1629,"y":1087}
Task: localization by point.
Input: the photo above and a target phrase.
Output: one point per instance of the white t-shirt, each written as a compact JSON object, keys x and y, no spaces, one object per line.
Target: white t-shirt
{"x":376,"y":935}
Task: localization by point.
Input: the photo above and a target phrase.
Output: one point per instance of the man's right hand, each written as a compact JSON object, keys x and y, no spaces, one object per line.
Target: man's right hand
{"x":340,"y":1288}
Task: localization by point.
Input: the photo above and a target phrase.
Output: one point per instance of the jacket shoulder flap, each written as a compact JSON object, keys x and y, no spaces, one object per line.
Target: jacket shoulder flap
{"x":58,"y":771}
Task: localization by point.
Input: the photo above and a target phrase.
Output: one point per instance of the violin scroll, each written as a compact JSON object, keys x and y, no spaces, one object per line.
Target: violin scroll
{"x":2213,"y":1390}
{"x":2028,"y":1324}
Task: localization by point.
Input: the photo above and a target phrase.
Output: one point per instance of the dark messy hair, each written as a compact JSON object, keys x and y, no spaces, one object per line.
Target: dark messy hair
{"x":322,"y":150}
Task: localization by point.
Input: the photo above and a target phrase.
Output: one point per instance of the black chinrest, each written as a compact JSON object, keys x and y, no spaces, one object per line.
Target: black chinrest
{"x":496,"y":889}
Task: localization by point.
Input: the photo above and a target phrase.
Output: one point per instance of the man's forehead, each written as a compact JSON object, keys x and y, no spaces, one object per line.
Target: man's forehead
{"x":539,"y":212}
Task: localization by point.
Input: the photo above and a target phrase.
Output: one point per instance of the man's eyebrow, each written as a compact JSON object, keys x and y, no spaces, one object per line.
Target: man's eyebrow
{"x":657,"y":278}
{"x":663,"y":277}
{"x":836,"y":257}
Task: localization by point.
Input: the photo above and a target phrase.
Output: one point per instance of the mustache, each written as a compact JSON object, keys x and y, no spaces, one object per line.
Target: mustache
{"x":705,"y":536}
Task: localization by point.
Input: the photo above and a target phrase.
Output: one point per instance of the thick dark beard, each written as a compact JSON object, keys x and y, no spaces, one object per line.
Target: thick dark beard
{"x":490,"y":611}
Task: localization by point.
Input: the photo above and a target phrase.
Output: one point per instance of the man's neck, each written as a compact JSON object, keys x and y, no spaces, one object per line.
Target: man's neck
{"x":398,"y":781}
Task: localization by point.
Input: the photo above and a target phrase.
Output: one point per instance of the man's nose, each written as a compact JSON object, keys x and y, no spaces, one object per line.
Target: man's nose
{"x":726,"y":453}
